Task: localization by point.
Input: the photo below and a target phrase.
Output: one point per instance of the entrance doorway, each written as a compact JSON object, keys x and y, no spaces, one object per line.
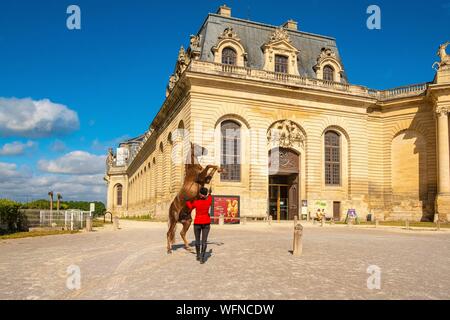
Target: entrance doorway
{"x":337,"y":211}
{"x":283,"y":184}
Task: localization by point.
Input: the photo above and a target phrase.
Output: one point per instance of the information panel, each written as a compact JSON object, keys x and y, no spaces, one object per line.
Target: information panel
{"x":229,"y":206}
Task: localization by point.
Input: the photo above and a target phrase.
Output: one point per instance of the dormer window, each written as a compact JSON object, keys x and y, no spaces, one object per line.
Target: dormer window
{"x":328,"y":67}
{"x":328,"y":73}
{"x":281,"y":64}
{"x":229,"y":56}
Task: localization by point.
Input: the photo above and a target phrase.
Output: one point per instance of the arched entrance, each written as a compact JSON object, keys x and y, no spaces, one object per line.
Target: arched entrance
{"x":284,"y":170}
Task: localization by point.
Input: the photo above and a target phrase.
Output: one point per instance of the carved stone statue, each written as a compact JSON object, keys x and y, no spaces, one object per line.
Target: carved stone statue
{"x":285,"y":134}
{"x":442,"y":53}
{"x":229,"y":33}
{"x":445,"y":58}
{"x":194,"y":43}
{"x":110,"y":158}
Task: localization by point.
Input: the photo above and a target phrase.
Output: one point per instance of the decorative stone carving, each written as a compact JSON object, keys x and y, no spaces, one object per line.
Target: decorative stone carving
{"x":182,"y":64}
{"x":285,"y":134}
{"x":280,"y":34}
{"x":194,"y":50}
{"x":110,"y":158}
{"x":445,"y":58}
{"x":326,"y":53}
{"x":442,"y":111}
{"x":194,"y":43}
{"x":229,"y":33}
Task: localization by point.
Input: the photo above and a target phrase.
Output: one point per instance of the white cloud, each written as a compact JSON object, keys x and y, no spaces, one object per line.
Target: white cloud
{"x":76,"y":162}
{"x":10,"y":172}
{"x":35,"y":118}
{"x":20,"y":184}
{"x":15,"y":148}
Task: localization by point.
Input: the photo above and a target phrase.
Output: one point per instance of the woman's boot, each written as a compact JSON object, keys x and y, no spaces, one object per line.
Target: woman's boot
{"x":197,"y":250}
{"x":203,"y":259}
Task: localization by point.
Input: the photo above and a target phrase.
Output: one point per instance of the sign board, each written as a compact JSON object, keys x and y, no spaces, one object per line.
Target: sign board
{"x":351,"y":213}
{"x":121,"y":157}
{"x":92,"y":207}
{"x":229,"y":206}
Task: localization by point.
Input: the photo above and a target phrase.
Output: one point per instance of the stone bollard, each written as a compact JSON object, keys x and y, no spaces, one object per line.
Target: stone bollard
{"x":295,"y":220}
{"x":298,"y":241}
{"x":407,"y":224}
{"x":244,"y":220}
{"x":322,"y":222}
{"x":221,"y":220}
{"x":270,"y":220}
{"x":332,"y":221}
{"x":350,"y":222}
{"x":376,"y":223}
{"x":89,"y":223}
{"x":438,"y":225}
{"x":116,"y":222}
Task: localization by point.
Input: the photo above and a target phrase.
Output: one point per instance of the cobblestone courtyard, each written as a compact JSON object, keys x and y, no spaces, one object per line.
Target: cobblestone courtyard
{"x":249,"y":261}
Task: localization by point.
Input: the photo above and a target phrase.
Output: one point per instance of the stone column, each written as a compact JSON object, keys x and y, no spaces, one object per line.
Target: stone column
{"x":443,"y":198}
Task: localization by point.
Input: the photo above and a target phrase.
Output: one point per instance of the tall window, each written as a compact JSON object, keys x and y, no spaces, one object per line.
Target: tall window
{"x":332,"y":158}
{"x":229,"y":56}
{"x":281,"y":64}
{"x":119,"y":195}
{"x":328,"y":73}
{"x":231,"y":151}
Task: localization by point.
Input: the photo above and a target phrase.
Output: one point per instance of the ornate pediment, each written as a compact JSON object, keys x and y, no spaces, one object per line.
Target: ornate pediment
{"x":326,"y":53}
{"x":285,"y":134}
{"x":280,"y":40}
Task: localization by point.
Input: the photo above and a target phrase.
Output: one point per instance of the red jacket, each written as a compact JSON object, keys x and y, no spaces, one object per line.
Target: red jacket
{"x":202,"y":210}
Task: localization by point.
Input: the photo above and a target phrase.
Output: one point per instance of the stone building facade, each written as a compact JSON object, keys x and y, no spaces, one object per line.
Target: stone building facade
{"x":273,"y":106}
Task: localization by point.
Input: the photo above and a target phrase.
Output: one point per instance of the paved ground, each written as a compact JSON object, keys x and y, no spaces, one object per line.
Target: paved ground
{"x":247,"y":262}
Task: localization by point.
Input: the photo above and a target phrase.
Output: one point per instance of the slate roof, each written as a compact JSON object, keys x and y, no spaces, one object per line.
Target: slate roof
{"x":253,"y":35}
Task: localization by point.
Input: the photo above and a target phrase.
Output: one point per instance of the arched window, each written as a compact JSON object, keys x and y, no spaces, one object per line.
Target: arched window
{"x":328,"y":73}
{"x":119,"y":195}
{"x":231,"y":151}
{"x":229,"y":56}
{"x":281,"y":64}
{"x":332,"y":158}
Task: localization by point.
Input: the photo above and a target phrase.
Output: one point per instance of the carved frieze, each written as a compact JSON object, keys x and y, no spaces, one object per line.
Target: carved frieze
{"x":285,"y":134}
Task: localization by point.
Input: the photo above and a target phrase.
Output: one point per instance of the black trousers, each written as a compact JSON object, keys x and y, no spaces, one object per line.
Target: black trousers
{"x":201,"y":231}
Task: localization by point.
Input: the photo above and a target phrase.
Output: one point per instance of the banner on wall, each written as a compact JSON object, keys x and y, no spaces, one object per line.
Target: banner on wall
{"x":229,"y":206}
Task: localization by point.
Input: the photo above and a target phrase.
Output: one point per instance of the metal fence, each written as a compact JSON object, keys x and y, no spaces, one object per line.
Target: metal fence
{"x":64,"y":219}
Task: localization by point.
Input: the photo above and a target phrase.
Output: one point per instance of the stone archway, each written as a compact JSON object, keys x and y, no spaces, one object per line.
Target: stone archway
{"x":286,"y":150}
{"x":284,"y":183}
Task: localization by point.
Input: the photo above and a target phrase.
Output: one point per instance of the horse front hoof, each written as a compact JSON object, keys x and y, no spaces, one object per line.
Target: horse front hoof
{"x":169,"y":251}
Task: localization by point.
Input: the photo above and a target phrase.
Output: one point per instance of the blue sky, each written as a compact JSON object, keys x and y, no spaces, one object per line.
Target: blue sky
{"x":121,"y":60}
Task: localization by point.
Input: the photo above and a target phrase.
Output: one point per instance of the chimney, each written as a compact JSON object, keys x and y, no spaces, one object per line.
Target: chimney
{"x":291,"y":25}
{"x":224,"y":11}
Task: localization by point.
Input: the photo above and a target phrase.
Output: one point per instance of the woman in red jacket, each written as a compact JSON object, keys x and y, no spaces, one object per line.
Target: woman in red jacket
{"x":202,"y":221}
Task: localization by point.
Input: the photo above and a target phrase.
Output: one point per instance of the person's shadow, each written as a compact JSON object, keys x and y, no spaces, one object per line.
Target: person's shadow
{"x":192,"y":246}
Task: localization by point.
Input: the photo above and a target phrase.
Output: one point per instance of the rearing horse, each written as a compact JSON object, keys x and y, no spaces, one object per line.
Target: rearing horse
{"x":195,"y":178}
